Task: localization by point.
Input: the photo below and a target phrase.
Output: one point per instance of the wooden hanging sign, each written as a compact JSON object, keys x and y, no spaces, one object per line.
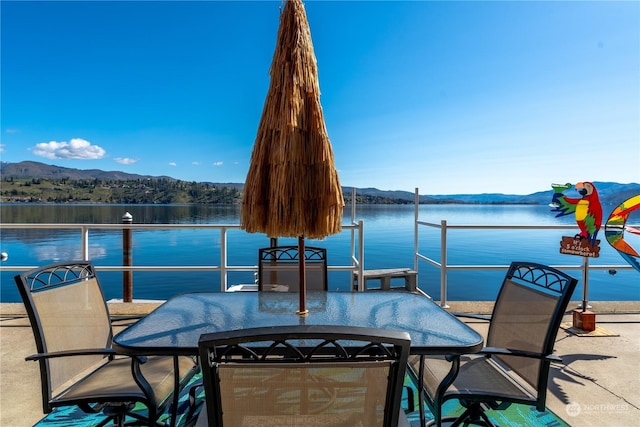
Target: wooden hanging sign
{"x":572,"y":245}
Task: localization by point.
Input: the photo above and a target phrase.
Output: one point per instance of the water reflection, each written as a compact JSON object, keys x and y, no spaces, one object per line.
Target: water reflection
{"x":112,"y":214}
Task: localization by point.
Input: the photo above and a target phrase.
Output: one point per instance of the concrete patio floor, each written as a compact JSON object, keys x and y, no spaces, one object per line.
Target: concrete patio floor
{"x":597,"y":384}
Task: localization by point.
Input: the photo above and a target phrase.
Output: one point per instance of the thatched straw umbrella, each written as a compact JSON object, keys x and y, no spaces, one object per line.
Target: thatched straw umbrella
{"x":292,"y":187}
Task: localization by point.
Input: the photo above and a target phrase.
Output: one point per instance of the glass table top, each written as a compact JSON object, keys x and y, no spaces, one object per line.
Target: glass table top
{"x":176,"y":326}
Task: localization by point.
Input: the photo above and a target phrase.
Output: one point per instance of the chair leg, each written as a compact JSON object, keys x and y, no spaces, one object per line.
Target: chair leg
{"x":107,"y":421}
{"x":117,"y":412}
{"x":473,"y":415}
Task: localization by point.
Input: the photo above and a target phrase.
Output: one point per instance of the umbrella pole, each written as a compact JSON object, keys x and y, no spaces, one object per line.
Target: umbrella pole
{"x":303,"y":279}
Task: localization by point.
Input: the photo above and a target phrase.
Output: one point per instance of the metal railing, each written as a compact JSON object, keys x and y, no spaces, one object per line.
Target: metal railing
{"x":356,"y":230}
{"x":355,"y":264}
{"x":445,"y":267}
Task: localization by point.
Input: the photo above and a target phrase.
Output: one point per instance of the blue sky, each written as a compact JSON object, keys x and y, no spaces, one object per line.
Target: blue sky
{"x":450,"y":97}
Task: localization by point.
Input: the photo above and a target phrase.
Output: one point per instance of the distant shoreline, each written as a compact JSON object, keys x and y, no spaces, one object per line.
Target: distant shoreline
{"x":34,"y":182}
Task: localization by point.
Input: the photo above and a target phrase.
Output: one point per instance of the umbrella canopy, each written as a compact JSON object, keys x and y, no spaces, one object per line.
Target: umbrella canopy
{"x":292,"y":187}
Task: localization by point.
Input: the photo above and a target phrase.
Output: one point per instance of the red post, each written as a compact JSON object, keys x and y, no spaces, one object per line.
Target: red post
{"x":127,"y":259}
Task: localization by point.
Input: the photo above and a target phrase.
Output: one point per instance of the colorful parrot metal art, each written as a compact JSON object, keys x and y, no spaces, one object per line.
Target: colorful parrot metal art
{"x":616,"y":226}
{"x":586,"y":208}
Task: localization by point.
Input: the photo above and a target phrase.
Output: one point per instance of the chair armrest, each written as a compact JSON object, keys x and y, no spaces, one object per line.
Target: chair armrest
{"x":133,"y":317}
{"x":486,"y":317}
{"x":194,"y":390}
{"x":80,"y":352}
{"x":489,"y":351}
{"x":411,"y":407}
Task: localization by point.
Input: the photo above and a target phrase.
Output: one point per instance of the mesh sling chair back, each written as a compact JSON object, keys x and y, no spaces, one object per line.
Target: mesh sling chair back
{"x":514,"y":365}
{"x":278,"y":269}
{"x":73,"y":334}
{"x":303,"y":376}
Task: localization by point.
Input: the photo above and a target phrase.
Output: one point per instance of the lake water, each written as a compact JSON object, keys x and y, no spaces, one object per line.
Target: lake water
{"x":388,"y":232}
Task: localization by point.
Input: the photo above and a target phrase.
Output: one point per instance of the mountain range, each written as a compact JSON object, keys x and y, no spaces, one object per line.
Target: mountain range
{"x":609,"y":192}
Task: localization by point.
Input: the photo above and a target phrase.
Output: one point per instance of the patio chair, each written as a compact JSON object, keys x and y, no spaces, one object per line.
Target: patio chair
{"x":514,"y":365}
{"x":303,"y":375}
{"x":278,"y":269}
{"x":73,"y":333}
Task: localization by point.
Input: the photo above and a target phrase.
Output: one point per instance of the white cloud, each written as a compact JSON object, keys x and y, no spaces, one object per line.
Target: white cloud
{"x":196,"y":163}
{"x":2,"y":148}
{"x":218,"y":164}
{"x":76,"y":148}
{"x":126,"y":160}
{"x":10,"y":130}
{"x":173,"y":164}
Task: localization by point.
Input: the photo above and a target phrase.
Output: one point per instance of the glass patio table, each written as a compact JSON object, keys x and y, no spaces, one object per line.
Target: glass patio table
{"x":175,"y":327}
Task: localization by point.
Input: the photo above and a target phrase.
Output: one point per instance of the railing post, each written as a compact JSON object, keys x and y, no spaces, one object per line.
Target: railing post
{"x":361,"y":282}
{"x":223,"y":259}
{"x":354,"y":275}
{"x":443,"y":264}
{"x":127,"y":259}
{"x":85,"y":243}
{"x":415,"y":233}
